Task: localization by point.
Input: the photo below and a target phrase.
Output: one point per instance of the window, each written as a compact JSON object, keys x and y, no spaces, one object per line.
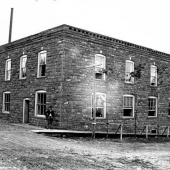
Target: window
{"x":40,"y":103}
{"x":6,"y":102}
{"x":129,"y":68}
{"x":128,"y":106}
{"x":100,"y":105}
{"x":42,"y":56}
{"x":99,"y":66}
{"x":153,"y":76}
{"x":169,"y":108}
{"x":8,"y":69}
{"x":23,"y":61}
{"x":152,"y":107}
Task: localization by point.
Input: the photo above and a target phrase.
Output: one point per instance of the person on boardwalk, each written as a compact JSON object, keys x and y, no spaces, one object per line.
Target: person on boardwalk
{"x":49,"y":114}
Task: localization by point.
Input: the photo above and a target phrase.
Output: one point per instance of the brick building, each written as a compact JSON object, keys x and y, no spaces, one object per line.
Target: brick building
{"x":56,"y":67}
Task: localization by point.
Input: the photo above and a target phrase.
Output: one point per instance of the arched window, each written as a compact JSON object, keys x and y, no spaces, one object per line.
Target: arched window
{"x":6,"y":102}
{"x":128,"y":105}
{"x":8,"y":69}
{"x":23,"y":61}
{"x":40,"y":103}
{"x":100,"y":64}
{"x":42,"y":57}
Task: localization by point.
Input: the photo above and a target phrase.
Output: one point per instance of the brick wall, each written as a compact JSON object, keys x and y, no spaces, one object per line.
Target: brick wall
{"x":69,"y":83}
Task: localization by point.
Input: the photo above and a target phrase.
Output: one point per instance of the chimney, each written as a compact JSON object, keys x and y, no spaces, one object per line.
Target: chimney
{"x":10,"y":27}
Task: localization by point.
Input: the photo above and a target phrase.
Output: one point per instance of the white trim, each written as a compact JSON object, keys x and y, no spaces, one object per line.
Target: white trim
{"x":40,"y":91}
{"x":129,"y":82}
{"x":3,"y":107}
{"x":38,"y":69}
{"x":20,"y":67}
{"x":6,"y":69}
{"x":24,"y":108}
{"x":153,"y":97}
{"x":104,"y":64}
{"x":133,"y":105}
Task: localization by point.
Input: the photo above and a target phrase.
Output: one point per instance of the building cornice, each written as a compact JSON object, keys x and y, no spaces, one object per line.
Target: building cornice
{"x":63,"y":29}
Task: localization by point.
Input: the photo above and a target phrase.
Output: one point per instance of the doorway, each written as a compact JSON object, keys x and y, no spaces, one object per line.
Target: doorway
{"x":26,"y":110}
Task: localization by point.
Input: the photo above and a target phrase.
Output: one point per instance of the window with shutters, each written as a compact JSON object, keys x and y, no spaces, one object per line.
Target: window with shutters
{"x":153,"y":75}
{"x":40,"y":103}
{"x":6,"y":102}
{"x":99,"y":66}
{"x":23,"y":61}
{"x":129,"y":68}
{"x":128,"y":106}
{"x":42,"y":57}
{"x":100,"y":105}
{"x":152,"y":107}
{"x":8,"y":69}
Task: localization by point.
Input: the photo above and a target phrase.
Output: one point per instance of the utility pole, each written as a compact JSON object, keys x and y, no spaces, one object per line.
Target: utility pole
{"x":10,"y":27}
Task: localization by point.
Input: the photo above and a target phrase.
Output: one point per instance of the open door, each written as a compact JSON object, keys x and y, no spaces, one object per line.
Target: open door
{"x":26,"y":111}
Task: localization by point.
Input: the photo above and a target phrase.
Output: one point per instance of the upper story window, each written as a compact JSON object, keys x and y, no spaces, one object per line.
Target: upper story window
{"x":42,"y":57}
{"x":23,"y":61}
{"x":152,"y":107}
{"x":100,"y":62}
{"x":100,"y":105}
{"x":8,"y":69}
{"x":128,"y":105}
{"x":40,"y":103}
{"x":6,"y":102}
{"x":153,"y":75}
{"x":129,"y":68}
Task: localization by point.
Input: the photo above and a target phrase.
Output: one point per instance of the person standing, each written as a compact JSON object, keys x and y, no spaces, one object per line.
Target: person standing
{"x":49,"y":114}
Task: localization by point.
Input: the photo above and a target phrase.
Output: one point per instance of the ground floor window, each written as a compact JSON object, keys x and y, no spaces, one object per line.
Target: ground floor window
{"x":128,"y":106}
{"x":6,"y":102}
{"x":152,"y":106}
{"x":40,"y":103}
{"x":100,"y":105}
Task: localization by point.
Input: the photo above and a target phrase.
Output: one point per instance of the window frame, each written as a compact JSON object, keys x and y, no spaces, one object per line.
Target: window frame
{"x":3,"y":108}
{"x":155,"y":67}
{"x":6,"y":71}
{"x":99,"y":67}
{"x":133,"y":106}
{"x":104,"y":114}
{"x":128,"y":73}
{"x":38,"y":68}
{"x":21,"y":59}
{"x":36,"y":103}
{"x":153,"y":97}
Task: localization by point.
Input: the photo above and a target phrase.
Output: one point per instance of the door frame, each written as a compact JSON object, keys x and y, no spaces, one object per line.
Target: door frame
{"x":23,"y":112}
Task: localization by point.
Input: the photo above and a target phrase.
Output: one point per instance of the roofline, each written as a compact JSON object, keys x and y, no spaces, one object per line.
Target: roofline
{"x":87,"y":33}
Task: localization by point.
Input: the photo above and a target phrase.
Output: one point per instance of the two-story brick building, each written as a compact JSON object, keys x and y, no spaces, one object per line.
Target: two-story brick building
{"x":56,"y":67}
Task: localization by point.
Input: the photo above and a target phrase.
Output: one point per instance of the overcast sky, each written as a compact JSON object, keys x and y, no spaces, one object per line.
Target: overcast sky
{"x":142,"y":22}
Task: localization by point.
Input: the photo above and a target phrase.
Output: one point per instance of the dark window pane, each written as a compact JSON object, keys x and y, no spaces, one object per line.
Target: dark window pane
{"x":99,"y":112}
{"x":127,"y":112}
{"x":151,"y":113}
{"x":43,"y":67}
{"x":99,"y":75}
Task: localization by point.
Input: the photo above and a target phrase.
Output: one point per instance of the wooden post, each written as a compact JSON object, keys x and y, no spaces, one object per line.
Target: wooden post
{"x":107,"y":129}
{"x":121,"y":132}
{"x":93,"y":129}
{"x":146,"y":132}
{"x":168,"y":132}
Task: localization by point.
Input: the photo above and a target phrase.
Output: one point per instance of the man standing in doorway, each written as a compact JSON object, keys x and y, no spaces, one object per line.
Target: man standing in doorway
{"x":49,"y":117}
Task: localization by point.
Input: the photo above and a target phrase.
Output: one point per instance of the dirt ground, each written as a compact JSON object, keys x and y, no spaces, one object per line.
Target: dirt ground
{"x":21,"y":149}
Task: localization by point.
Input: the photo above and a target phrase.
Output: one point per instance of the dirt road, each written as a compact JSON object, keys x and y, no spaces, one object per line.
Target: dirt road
{"x":21,"y":149}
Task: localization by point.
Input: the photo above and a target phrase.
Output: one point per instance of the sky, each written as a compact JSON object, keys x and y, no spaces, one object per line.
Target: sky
{"x":142,"y":22}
